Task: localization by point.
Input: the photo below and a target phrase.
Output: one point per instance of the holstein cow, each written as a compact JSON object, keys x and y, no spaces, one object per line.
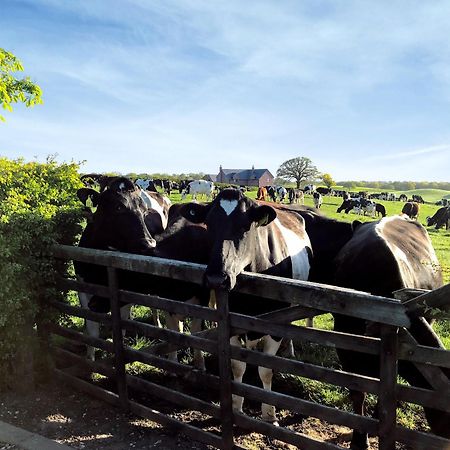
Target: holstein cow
{"x":411,"y":209}
{"x":124,"y":223}
{"x":281,"y":193}
{"x":440,"y":218}
{"x":272,"y":193}
{"x":296,"y":196}
{"x":380,"y":210}
{"x":200,"y":187}
{"x":258,"y":238}
{"x":317,"y":198}
{"x":401,"y":255}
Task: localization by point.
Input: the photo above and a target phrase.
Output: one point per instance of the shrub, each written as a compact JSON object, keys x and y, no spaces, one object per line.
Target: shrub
{"x":38,"y":208}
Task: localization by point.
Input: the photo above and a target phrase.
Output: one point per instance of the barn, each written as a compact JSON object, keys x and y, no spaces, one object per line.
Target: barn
{"x":245,"y":177}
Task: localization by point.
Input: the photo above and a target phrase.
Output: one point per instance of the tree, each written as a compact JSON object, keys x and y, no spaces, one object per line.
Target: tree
{"x":328,"y":180}
{"x":298,"y":169}
{"x":15,"y":90}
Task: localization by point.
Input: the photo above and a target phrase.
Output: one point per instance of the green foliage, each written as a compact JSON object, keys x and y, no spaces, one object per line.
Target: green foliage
{"x":298,"y":169}
{"x":38,"y":207}
{"x":15,"y":90}
{"x":328,"y":180}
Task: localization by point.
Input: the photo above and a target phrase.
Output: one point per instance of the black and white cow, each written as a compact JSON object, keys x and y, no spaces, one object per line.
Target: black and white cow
{"x":281,"y":193}
{"x":440,"y":218}
{"x":246,"y":236}
{"x":401,"y":255}
{"x":317,"y":199}
{"x":296,"y":196}
{"x":146,"y":184}
{"x":411,"y":209}
{"x":272,"y":193}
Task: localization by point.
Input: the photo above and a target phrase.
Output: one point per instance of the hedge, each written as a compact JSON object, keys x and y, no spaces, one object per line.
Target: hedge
{"x":38,"y":207}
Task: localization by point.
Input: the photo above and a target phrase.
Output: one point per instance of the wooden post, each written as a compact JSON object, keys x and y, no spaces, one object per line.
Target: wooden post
{"x":119,"y":355}
{"x":387,"y":396}
{"x":224,"y":355}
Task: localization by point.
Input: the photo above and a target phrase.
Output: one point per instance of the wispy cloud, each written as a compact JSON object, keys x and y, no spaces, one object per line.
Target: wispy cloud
{"x":408,"y":153}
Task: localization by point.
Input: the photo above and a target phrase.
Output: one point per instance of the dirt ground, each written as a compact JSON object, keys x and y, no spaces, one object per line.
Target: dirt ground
{"x":72,"y":418}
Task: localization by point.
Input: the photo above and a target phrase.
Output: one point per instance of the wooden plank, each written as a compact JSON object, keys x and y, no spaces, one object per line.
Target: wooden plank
{"x":168,"y":335}
{"x":333,"y":339}
{"x":119,"y":357}
{"x":323,"y":374}
{"x":408,"y":293}
{"x":434,"y":375}
{"x":224,"y":356}
{"x":424,"y":397}
{"x":306,"y":408}
{"x":88,"y":388}
{"x":432,"y":305}
{"x":322,"y":297}
{"x":176,"y":425}
{"x":173,"y":306}
{"x":173,"y":396}
{"x":81,"y":312}
{"x":282,"y":434}
{"x":81,"y":286}
{"x":387,"y":396}
{"x":81,"y":337}
{"x":194,"y":375}
{"x":422,"y":354}
{"x":420,"y":440}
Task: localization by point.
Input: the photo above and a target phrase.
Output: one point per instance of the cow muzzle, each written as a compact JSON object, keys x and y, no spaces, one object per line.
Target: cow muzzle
{"x":220,"y":281}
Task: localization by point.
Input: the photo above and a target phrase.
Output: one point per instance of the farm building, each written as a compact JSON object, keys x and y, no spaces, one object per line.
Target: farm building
{"x":245,"y":177}
{"x":210,"y":177}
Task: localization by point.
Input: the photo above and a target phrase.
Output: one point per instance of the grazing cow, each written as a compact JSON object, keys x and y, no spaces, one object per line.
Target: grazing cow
{"x":318,"y":200}
{"x":272,"y":193}
{"x":440,"y":218}
{"x":258,"y":238}
{"x":380,"y":210}
{"x":349,"y":205}
{"x":123,"y":222}
{"x":309,"y":189}
{"x":324,"y":190}
{"x":411,"y":209}
{"x":261,"y":194}
{"x":401,"y":256}
{"x":296,"y":196}
{"x":403,"y":198}
{"x":146,"y":184}
{"x":418,"y":199}
{"x":200,"y":187}
{"x":281,"y":193}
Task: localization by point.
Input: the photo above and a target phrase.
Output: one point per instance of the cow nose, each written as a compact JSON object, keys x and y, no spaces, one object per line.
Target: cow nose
{"x":218,"y":280}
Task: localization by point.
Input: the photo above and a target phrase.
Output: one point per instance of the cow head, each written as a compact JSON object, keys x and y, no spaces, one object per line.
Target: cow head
{"x":118,"y":222}
{"x":232,"y":221}
{"x":346,"y":204}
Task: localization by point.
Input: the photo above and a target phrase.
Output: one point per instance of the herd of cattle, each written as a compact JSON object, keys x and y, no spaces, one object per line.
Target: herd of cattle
{"x":233,"y":233}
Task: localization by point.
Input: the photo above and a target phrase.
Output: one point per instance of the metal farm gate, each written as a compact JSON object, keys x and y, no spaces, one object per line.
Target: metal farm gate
{"x":303,"y":299}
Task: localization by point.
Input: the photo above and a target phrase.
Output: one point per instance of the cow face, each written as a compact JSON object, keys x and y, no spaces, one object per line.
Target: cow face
{"x":232,"y":221}
{"x":118,"y":223}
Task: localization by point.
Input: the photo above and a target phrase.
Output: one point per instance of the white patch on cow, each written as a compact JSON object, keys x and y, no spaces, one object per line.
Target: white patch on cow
{"x":121,"y":186}
{"x":297,"y":250}
{"x":153,"y":204}
{"x":228,"y":206}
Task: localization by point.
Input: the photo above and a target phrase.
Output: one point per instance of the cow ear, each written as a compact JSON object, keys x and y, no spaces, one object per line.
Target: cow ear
{"x":262,"y":215}
{"x":356,"y":224}
{"x":84,"y":194}
{"x":194,"y":212}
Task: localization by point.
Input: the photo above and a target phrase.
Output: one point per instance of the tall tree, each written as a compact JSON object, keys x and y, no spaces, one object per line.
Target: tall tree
{"x":15,"y":90}
{"x":298,"y":169}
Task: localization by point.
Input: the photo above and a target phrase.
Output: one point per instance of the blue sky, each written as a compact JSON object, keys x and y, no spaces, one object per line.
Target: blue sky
{"x":362,"y":88}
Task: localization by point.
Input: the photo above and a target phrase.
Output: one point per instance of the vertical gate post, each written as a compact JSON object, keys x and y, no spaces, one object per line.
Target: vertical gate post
{"x":387,"y":396}
{"x":119,"y":355}
{"x":224,"y":355}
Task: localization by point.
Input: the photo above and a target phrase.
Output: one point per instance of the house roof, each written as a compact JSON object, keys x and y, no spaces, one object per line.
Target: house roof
{"x":245,"y":174}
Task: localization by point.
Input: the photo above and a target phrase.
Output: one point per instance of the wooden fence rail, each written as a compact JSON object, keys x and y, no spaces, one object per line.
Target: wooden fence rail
{"x":303,"y":300}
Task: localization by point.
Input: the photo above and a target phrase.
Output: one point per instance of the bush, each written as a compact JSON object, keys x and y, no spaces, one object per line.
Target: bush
{"x":38,"y":208}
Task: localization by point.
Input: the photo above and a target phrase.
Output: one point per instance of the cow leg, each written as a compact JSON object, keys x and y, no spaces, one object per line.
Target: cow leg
{"x":238,"y":369}
{"x":196,"y":326}
{"x":360,"y":440}
{"x":310,"y":322}
{"x":92,"y":328}
{"x":271,"y":347}
{"x":175,"y":324}
{"x":125,"y":314}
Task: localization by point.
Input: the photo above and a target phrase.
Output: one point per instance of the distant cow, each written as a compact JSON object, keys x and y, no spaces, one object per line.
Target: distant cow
{"x":418,"y":199}
{"x":309,"y":189}
{"x":200,"y":187}
{"x":323,"y":190}
{"x":380,"y":210}
{"x":261,"y":194}
{"x":318,"y":200}
{"x":440,"y":218}
{"x":281,"y":193}
{"x":411,"y":209}
{"x":272,"y":193}
{"x":296,"y":196}
{"x":402,"y":198}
